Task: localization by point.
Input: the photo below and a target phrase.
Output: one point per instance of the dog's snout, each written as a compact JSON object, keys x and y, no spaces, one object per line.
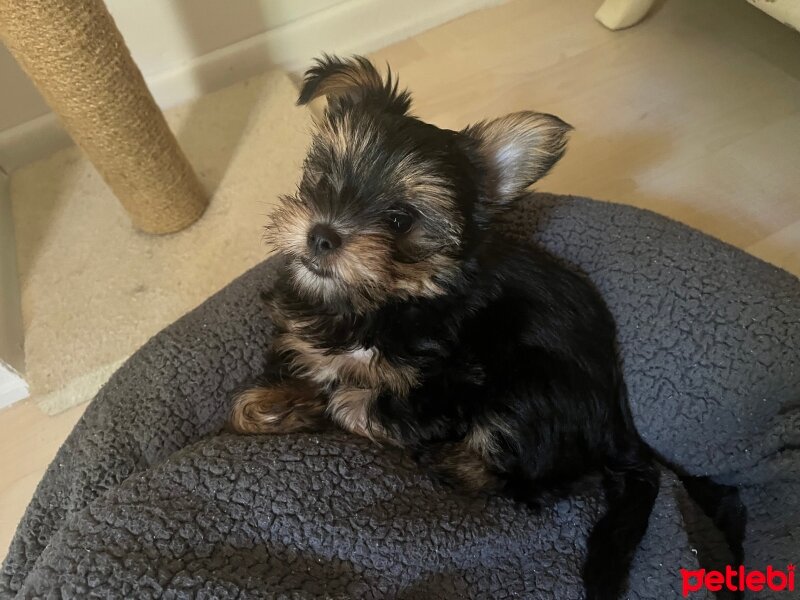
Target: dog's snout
{"x":323,"y":239}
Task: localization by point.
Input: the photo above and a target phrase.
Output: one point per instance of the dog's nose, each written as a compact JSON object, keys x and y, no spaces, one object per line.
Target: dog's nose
{"x":322,"y":239}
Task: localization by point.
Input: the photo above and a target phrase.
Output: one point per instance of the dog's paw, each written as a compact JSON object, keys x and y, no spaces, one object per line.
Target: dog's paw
{"x":282,"y":408}
{"x":457,"y":467}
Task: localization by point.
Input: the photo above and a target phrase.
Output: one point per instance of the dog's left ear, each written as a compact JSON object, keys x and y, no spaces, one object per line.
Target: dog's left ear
{"x":518,"y":149}
{"x":353,"y":81}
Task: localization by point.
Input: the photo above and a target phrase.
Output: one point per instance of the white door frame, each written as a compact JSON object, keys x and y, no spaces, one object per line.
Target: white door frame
{"x":12,"y":355}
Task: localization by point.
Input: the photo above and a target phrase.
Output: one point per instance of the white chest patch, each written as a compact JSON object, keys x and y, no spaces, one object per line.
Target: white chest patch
{"x":362,"y":367}
{"x":362,"y":355}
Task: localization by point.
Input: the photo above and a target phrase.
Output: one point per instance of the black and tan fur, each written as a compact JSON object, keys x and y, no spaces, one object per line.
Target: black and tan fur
{"x":404,"y":315}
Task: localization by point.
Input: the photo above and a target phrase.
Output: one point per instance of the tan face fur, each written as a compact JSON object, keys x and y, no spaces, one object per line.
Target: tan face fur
{"x":369,"y":267}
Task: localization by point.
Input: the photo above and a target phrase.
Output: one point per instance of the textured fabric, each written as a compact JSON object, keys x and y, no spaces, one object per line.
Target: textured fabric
{"x":144,"y":499}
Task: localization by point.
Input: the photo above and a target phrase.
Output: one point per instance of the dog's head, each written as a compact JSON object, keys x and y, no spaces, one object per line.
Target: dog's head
{"x":390,"y":207}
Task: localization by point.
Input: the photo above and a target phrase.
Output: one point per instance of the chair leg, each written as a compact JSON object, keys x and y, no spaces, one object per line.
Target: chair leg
{"x":619,"y":14}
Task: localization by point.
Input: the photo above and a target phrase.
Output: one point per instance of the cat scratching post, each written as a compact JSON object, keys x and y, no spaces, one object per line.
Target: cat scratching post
{"x":74,"y":53}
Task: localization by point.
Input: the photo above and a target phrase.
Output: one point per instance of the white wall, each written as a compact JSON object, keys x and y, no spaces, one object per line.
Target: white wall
{"x":186,"y":48}
{"x":162,"y":34}
{"x":19,"y":101}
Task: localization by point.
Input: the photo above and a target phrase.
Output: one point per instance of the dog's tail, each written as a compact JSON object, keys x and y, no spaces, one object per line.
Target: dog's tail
{"x":631,"y":479}
{"x":631,"y":487}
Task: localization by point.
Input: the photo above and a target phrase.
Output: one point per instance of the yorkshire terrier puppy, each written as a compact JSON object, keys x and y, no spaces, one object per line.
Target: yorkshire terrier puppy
{"x":404,"y":314}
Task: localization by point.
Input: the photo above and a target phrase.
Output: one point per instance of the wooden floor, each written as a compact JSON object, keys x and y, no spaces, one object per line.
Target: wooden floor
{"x":695,"y":113}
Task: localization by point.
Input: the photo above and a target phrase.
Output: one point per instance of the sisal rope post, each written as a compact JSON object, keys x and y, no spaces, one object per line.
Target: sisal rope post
{"x":76,"y":57}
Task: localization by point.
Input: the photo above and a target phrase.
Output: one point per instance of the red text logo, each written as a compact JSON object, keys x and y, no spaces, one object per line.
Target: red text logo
{"x":738,"y":579}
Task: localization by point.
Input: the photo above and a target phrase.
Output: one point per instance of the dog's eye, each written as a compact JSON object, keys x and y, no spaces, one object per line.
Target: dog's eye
{"x":400,"y":219}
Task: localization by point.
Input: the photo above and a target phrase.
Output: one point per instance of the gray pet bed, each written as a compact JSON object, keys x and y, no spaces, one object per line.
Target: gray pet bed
{"x":145,"y":499}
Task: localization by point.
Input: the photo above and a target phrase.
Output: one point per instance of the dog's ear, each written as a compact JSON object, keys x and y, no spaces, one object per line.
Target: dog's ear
{"x":517,"y":150}
{"x":355,"y":80}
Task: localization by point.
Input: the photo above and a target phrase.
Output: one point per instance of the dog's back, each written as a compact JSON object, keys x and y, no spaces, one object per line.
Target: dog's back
{"x":553,"y":400}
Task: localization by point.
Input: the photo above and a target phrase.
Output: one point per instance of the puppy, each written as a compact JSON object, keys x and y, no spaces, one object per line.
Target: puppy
{"x":405,"y":316}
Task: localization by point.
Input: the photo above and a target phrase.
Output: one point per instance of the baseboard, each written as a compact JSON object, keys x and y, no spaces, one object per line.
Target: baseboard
{"x":31,"y":141}
{"x":352,"y":26}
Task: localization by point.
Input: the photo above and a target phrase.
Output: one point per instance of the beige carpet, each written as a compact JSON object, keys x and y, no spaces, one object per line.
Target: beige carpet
{"x":94,"y":289}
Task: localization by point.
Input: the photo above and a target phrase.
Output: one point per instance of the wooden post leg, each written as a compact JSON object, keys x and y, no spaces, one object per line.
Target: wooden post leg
{"x":619,"y":14}
{"x":77,"y":58}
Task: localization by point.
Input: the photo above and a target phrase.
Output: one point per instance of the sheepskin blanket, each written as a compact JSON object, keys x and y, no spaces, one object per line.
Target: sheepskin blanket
{"x":147,"y":499}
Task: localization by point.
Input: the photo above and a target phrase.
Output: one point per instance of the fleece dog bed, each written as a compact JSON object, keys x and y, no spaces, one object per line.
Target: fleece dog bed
{"x":147,"y":499}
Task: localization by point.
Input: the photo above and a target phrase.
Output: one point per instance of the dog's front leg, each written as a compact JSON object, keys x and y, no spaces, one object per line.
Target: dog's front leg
{"x":287,"y":406}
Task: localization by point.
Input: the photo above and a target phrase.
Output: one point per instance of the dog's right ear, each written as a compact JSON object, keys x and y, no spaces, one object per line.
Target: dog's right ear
{"x":353,"y":81}
{"x":518,"y":150}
